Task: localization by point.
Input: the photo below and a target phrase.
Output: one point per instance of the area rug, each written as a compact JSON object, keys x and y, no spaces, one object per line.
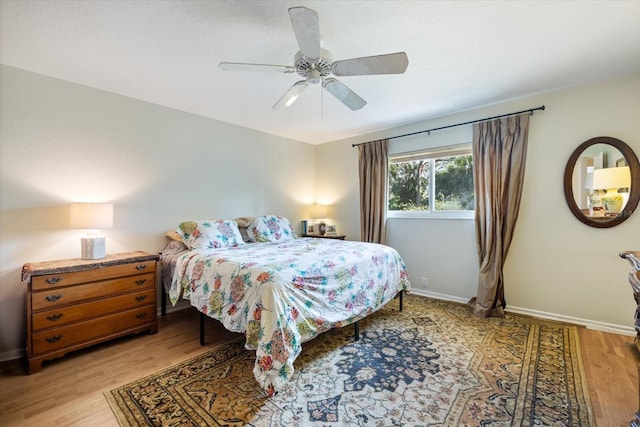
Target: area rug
{"x":433,"y":364}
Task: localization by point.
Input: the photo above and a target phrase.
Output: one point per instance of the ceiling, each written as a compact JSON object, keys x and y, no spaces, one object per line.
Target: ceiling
{"x":462,"y":54}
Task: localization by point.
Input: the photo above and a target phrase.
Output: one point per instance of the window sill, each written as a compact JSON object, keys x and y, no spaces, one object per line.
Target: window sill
{"x":431,"y":215}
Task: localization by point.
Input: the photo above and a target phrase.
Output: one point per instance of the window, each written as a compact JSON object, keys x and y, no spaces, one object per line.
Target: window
{"x":434,"y":183}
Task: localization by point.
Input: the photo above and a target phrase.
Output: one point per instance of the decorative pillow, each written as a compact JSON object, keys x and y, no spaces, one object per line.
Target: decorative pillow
{"x":210,"y":234}
{"x":270,"y":228}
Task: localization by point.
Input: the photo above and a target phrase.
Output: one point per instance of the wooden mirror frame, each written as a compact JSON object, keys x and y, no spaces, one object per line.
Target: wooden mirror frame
{"x":634,"y":192}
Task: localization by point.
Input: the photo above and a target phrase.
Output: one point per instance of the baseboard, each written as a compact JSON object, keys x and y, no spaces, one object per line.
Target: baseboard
{"x":589,"y":324}
{"x":437,"y":295}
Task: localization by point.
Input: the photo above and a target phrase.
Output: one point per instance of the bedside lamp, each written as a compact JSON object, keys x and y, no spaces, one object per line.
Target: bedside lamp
{"x":319,"y":213}
{"x":92,"y":216}
{"x":611,"y":179}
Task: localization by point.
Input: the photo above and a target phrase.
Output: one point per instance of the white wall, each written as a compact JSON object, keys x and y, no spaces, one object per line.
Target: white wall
{"x":557,"y":266}
{"x":61,"y":142}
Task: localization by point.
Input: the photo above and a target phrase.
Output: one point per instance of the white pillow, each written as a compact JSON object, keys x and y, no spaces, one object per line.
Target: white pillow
{"x":219,"y":233}
{"x":270,"y":228}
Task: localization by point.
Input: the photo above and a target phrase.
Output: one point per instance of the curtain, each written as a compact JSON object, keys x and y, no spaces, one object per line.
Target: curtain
{"x":499,"y":156}
{"x":373,"y":166}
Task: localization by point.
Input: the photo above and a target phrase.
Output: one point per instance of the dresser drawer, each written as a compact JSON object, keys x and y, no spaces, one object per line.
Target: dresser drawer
{"x":50,"y":281}
{"x":78,"y":312}
{"x":62,"y":296}
{"x":76,"y":333}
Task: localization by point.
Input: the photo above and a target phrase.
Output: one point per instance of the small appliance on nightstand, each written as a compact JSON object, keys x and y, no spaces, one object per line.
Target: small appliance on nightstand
{"x":75,"y":303}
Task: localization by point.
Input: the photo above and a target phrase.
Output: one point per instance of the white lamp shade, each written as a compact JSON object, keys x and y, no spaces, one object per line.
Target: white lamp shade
{"x":91,"y":215}
{"x":318,"y":211}
{"x":619,"y":177}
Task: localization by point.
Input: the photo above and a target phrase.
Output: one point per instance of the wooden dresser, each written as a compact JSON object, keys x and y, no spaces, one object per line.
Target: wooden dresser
{"x":75,"y":303}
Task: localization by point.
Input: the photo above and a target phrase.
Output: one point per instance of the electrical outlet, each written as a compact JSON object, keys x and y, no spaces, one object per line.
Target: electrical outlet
{"x":425,"y":282}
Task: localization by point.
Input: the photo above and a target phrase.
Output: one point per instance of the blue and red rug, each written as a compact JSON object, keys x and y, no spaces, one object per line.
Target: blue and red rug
{"x":433,"y":364}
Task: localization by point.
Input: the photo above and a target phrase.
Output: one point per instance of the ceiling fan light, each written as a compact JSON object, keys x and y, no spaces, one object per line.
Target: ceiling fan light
{"x":291,"y":100}
{"x":344,"y":94}
{"x":290,"y":95}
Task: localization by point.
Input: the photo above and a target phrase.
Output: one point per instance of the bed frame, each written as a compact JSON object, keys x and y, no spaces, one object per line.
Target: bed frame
{"x":356,"y":325}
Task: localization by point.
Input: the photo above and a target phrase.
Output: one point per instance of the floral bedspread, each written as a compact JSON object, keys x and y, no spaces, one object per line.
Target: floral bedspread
{"x":282,"y":294}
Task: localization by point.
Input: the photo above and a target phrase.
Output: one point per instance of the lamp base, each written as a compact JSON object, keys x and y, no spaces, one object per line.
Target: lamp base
{"x":93,"y":247}
{"x":612,"y":201}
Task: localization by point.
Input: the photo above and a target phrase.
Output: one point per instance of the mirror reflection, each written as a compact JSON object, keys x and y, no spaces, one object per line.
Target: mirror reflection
{"x":601,"y":182}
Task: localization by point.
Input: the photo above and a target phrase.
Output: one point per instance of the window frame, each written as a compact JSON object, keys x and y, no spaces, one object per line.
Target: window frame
{"x":431,"y":154}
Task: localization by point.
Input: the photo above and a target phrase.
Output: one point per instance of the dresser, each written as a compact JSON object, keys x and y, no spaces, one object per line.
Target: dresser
{"x":75,"y":303}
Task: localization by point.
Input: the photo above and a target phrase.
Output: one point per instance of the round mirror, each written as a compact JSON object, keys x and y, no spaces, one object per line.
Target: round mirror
{"x":602,"y":182}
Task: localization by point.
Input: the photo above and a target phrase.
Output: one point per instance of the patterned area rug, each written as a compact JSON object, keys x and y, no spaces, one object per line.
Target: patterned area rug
{"x":432,"y":364}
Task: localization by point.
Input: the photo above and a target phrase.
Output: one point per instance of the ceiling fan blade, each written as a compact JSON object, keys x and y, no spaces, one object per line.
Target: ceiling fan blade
{"x":291,"y":95}
{"x":391,"y":63}
{"x":344,"y":94}
{"x":241,"y":66}
{"x":307,"y":28}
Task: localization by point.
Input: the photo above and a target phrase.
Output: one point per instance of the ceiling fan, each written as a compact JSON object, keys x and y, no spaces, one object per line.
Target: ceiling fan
{"x":316,"y":65}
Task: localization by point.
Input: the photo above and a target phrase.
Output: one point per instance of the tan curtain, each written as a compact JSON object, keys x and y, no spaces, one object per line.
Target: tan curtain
{"x":373,"y":165}
{"x":499,"y":156}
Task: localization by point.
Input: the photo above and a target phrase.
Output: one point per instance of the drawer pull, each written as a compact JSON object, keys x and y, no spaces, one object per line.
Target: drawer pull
{"x":141,"y":315}
{"x":140,"y":267}
{"x":54,"y":280}
{"x":53,"y":298}
{"x":54,"y":317}
{"x":54,"y":338}
{"x":141,"y":297}
{"x":141,"y":281}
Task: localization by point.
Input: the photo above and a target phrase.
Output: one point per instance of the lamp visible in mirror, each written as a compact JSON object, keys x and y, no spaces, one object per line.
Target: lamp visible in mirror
{"x":611,"y":179}
{"x":92,"y":216}
{"x":581,"y":186}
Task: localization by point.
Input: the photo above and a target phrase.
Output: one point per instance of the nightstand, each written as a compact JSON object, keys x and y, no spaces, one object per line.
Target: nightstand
{"x":326,"y":236}
{"x":75,"y":303}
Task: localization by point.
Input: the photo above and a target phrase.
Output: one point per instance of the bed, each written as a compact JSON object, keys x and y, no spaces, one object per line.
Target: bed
{"x":278,"y":290}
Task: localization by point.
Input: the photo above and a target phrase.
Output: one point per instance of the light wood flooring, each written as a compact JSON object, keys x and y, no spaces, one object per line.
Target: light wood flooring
{"x":69,"y":391}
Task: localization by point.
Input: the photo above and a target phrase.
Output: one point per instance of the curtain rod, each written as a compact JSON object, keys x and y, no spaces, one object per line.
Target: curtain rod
{"x":530,"y":111}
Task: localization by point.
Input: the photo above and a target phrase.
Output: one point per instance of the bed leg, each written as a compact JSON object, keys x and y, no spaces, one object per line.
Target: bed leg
{"x":164,"y":301}
{"x":400,"y":299}
{"x":356,"y":326}
{"x":201,"y":329}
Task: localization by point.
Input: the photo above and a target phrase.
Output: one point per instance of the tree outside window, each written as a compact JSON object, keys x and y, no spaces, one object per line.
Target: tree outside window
{"x":431,"y":183}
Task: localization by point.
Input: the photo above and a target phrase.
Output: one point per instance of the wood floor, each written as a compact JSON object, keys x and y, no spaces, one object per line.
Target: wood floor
{"x":69,"y":391}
